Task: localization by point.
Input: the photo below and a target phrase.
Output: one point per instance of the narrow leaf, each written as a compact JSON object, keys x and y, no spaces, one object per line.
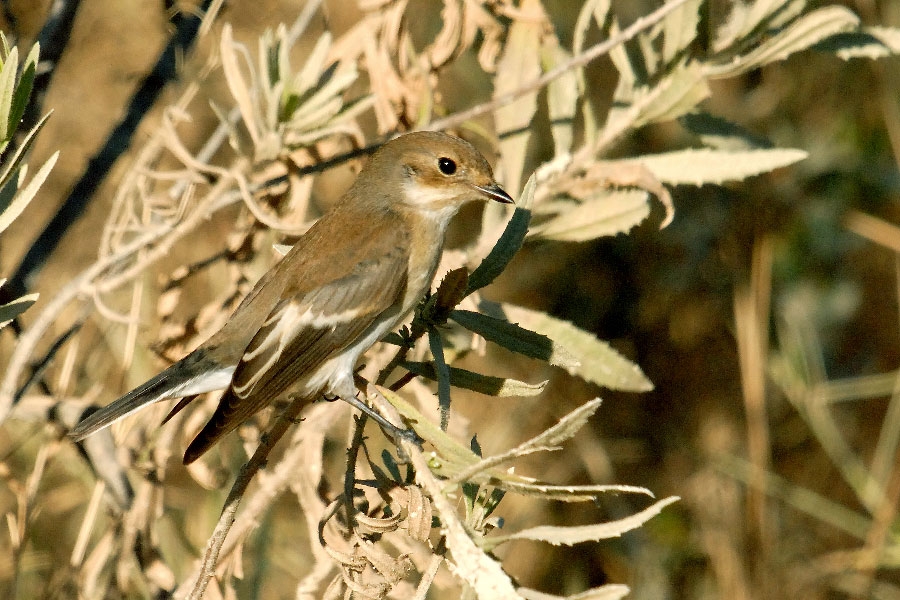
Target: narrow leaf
{"x":24,"y":196}
{"x":562,"y":96}
{"x":547,"y":440}
{"x":569,"y":493}
{"x":453,"y":460}
{"x":609,"y":591}
{"x":520,"y":64}
{"x":721,"y":134}
{"x":515,"y":338}
{"x":13,"y":309}
{"x":612,"y":212}
{"x":868,"y":42}
{"x":435,"y":344}
{"x":680,"y":29}
{"x":678,"y":93}
{"x":707,"y":165}
{"x":7,"y":89}
{"x":508,"y":244}
{"x":9,"y":168}
{"x":803,"y":33}
{"x":23,"y":89}
{"x":596,"y":362}
{"x":483,"y":384}
{"x":312,"y":68}
{"x":236,"y":84}
{"x":568,"y":536}
{"x":761,"y":15}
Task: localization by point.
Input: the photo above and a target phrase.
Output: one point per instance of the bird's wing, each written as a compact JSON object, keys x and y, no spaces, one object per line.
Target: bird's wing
{"x":309,"y":326}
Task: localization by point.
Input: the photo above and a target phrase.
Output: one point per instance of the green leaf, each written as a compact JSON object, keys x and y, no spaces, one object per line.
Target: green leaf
{"x":23,"y":89}
{"x":707,"y":165}
{"x":596,"y":361}
{"x":452,"y":459}
{"x":508,"y":244}
{"x":435,"y":344}
{"x":483,"y":384}
{"x":9,"y":168}
{"x":7,"y":89}
{"x":515,"y":338}
{"x":612,"y":212}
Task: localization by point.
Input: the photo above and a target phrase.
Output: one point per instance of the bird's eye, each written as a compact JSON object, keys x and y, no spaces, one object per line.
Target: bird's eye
{"x":447,"y":166}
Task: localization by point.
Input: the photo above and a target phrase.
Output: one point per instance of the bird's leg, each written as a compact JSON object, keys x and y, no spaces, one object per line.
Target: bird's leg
{"x":396,"y":433}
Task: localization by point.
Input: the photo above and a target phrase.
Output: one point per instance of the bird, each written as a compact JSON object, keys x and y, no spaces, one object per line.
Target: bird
{"x":353,"y":277}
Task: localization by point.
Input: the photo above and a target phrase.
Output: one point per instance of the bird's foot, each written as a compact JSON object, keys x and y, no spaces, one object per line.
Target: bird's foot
{"x":397,"y":434}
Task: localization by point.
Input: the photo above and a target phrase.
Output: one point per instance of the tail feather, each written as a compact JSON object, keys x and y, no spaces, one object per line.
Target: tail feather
{"x":227,"y":417}
{"x":152,"y":391}
{"x":194,"y":374}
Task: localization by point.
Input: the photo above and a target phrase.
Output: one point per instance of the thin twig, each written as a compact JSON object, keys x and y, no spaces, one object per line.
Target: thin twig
{"x":81,"y":285}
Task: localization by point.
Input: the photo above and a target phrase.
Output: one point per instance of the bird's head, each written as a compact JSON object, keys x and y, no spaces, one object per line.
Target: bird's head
{"x":434,"y":172}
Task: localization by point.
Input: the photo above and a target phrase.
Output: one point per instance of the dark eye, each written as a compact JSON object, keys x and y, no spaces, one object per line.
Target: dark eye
{"x":447,"y":166}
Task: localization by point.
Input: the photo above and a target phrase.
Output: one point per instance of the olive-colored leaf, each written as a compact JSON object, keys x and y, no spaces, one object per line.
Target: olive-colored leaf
{"x":596,"y":362}
{"x":9,"y":168}
{"x":436,"y":345}
{"x":228,"y":51}
{"x":509,"y":243}
{"x":515,"y":338}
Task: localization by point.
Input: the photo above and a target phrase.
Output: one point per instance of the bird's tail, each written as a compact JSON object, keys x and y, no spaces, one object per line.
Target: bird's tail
{"x":186,"y":377}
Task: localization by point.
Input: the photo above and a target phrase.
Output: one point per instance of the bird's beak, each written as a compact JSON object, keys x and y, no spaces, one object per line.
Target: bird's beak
{"x":495,"y":192}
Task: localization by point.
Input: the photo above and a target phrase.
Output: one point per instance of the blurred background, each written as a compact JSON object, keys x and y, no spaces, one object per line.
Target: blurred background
{"x":804,"y":257}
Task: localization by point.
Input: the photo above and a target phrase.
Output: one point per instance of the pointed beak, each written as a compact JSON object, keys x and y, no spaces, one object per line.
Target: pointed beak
{"x":494,"y":192}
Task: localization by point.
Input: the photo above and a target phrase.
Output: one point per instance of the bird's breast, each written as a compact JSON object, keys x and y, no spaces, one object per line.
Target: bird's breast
{"x":427,"y":233}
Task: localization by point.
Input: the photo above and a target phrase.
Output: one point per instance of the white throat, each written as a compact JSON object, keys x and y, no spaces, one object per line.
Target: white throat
{"x":436,"y":204}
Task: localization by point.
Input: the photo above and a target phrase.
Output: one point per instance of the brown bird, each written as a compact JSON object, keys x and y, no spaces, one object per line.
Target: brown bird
{"x":352,"y":278}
